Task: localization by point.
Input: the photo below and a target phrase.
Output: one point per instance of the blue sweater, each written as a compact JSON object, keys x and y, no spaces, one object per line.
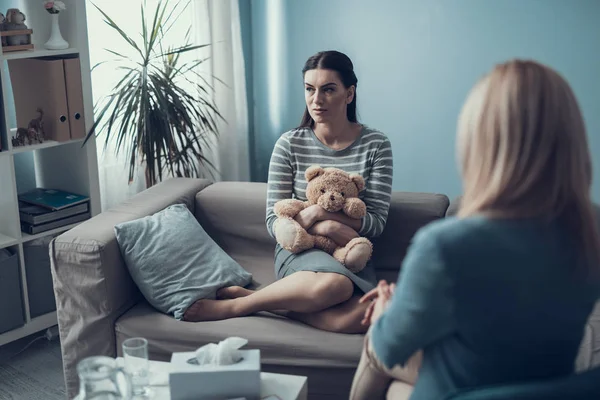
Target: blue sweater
{"x":489,"y":301}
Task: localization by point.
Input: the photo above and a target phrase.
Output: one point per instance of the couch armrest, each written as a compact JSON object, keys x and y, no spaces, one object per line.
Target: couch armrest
{"x":91,"y":282}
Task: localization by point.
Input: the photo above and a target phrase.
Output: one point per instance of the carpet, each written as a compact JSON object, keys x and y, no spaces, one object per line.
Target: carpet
{"x":32,"y":372}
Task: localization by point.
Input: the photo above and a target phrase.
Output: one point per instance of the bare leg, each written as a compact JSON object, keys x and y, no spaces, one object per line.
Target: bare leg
{"x":370,"y":381}
{"x":233,"y":292}
{"x":372,"y":378}
{"x":303,"y":291}
{"x":342,"y":318}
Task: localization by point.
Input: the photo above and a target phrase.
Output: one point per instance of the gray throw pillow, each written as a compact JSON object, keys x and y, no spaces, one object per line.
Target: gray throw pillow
{"x":174,"y":262}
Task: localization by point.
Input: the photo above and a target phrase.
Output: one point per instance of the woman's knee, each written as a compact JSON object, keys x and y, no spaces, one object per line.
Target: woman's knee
{"x":332,"y":289}
{"x":407,"y":373}
{"x":369,"y":382}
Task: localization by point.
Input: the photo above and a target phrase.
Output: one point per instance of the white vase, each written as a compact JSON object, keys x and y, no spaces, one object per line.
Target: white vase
{"x":56,"y":41}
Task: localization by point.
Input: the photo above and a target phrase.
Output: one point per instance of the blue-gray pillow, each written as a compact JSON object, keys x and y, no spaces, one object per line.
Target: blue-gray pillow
{"x":174,"y":262}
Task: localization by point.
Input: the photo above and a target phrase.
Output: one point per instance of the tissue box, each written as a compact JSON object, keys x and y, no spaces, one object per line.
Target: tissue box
{"x":200,"y":382}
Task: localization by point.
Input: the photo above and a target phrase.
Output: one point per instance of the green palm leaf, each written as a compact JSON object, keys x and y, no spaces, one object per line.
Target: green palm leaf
{"x":161,"y":112}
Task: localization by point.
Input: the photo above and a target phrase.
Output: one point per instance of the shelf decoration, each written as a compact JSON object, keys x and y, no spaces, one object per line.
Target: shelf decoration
{"x":15,"y":34}
{"x":33,"y":133}
{"x":56,"y":41}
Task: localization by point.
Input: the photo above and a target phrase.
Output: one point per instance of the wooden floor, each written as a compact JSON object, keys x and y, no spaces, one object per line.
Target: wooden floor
{"x":31,"y":369}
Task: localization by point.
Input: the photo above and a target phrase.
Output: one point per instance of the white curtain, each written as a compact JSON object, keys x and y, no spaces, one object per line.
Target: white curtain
{"x":113,"y":170}
{"x":216,"y":22}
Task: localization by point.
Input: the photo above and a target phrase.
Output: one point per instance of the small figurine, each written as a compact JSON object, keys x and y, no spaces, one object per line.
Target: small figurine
{"x":23,"y":137}
{"x":37,"y":125}
{"x":33,"y":133}
{"x":15,"y":21}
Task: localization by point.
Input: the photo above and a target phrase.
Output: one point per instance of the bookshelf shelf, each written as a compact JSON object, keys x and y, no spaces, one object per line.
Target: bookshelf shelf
{"x":32,"y":326}
{"x":37,"y":53}
{"x":60,"y":162}
{"x":27,"y":237}
{"x":46,"y":144}
{"x":6,"y":241}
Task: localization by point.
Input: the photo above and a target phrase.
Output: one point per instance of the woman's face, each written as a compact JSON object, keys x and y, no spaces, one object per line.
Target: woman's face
{"x":325,"y":95}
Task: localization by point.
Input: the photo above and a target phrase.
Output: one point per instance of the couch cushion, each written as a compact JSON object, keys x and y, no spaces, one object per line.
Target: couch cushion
{"x":281,"y":341}
{"x":235,"y":210}
{"x":454,"y":206}
{"x":173,"y":260}
{"x":234,"y":215}
{"x":261,"y":266}
{"x":408,"y":213}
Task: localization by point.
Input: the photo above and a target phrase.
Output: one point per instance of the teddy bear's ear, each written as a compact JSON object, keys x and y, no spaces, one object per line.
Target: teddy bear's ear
{"x":358,"y":181}
{"x":313,"y":171}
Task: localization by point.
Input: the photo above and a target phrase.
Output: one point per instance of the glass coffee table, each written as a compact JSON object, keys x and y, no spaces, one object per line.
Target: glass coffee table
{"x":272,"y":386}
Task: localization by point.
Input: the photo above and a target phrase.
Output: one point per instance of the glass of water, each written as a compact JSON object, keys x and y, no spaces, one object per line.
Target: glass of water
{"x":135,"y":354}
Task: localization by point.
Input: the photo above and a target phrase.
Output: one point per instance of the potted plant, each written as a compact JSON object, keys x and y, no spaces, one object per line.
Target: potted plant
{"x":160,"y":113}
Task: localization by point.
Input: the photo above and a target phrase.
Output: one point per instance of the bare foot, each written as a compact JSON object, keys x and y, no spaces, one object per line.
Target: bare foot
{"x":210,"y":310}
{"x":233,"y":292}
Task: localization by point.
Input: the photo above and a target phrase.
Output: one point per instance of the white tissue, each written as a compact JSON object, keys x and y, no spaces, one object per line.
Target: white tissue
{"x":224,"y":353}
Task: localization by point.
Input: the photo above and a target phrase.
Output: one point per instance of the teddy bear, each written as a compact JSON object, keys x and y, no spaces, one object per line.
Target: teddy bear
{"x":336,"y":191}
{"x":15,"y":21}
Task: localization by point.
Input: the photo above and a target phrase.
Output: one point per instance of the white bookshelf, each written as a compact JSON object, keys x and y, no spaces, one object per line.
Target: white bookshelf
{"x":45,"y":145}
{"x":61,"y":165}
{"x":38,"y":53}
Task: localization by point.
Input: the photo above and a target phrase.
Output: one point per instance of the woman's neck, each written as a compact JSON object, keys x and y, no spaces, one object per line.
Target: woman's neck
{"x":337,"y":135}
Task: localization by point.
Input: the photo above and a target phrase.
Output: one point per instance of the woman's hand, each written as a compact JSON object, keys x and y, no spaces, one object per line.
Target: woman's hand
{"x":309,"y":216}
{"x":379,"y":299}
{"x":340,"y":233}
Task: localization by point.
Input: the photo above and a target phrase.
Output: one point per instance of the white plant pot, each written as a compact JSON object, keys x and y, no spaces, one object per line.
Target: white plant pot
{"x":56,"y":41}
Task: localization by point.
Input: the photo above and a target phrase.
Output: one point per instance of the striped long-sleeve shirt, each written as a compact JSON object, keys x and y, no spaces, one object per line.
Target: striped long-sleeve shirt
{"x":370,"y":156}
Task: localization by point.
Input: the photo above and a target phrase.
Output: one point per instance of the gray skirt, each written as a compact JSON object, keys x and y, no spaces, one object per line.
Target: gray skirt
{"x":286,"y":263}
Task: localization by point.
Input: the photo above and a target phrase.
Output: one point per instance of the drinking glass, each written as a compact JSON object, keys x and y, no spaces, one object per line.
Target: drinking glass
{"x":98,"y":380}
{"x":135,"y":354}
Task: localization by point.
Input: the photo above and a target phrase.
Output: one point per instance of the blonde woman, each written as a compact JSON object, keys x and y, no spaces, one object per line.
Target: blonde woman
{"x":501,"y":293}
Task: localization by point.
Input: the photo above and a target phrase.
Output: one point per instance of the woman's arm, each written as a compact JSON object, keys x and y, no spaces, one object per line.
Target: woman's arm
{"x":281,"y":179}
{"x":342,"y":218}
{"x":315,"y":213}
{"x":341,"y":234}
{"x":421,"y":309}
{"x":378,"y":192}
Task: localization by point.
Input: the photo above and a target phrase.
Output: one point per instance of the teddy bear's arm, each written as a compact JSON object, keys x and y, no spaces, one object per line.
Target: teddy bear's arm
{"x":355,"y":208}
{"x":288,"y":208}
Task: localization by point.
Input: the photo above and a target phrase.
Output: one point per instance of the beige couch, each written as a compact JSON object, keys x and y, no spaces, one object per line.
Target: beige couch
{"x":99,"y":306}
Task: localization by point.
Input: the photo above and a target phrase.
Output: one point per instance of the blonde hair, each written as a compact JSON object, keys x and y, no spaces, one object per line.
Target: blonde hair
{"x":523,"y":152}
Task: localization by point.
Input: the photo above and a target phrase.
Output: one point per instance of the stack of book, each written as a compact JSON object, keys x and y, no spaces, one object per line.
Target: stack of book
{"x":41,"y":210}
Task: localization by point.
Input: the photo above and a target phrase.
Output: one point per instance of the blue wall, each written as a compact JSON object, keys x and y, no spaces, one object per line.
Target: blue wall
{"x":416,"y":61}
